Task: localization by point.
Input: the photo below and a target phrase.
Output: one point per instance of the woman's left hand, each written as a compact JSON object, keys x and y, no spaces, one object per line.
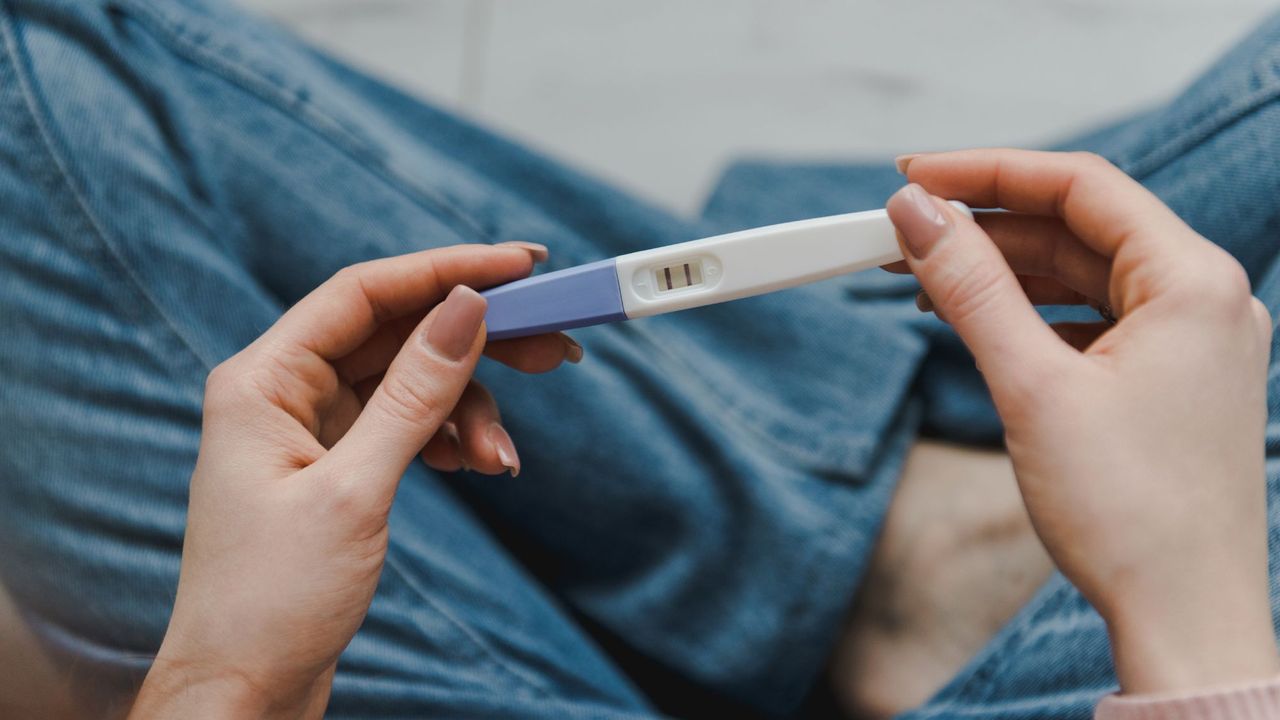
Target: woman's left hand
{"x":306,"y":435}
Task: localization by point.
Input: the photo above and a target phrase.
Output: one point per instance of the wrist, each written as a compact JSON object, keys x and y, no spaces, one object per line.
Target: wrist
{"x":1178,"y":642}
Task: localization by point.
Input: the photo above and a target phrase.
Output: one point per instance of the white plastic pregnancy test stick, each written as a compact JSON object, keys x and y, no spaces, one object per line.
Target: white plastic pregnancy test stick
{"x":692,"y":274}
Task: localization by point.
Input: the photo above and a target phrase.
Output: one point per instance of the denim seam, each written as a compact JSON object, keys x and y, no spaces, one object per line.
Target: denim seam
{"x":333,"y":131}
{"x":551,"y":707}
{"x":294,"y":107}
{"x":985,"y":675}
{"x":857,"y":453}
{"x":540,"y":690}
{"x":756,"y":422}
{"x":1152,"y":161}
{"x":45,"y":129}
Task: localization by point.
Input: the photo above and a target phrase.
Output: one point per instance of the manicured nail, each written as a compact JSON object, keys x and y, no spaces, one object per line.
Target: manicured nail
{"x":450,"y":430}
{"x":505,"y":448}
{"x":539,"y":251}
{"x":573,"y":351}
{"x":902,"y":161}
{"x":923,"y":302}
{"x":919,"y":218}
{"x":453,"y":331}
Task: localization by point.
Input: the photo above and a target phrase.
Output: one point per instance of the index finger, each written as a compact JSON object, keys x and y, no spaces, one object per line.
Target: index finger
{"x":335,"y":318}
{"x":1099,"y":203}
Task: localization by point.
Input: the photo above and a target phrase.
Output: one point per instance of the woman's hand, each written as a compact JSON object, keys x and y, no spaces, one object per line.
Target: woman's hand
{"x":1138,"y":447}
{"x":306,"y":434}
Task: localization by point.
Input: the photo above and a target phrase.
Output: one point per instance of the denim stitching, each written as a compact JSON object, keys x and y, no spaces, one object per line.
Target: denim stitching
{"x":984,"y":678}
{"x":1202,"y":131}
{"x":34,"y":107}
{"x":761,"y":425}
{"x":251,"y":80}
{"x":335,"y":132}
{"x":558,"y":708}
{"x":540,"y":689}
{"x":294,"y":106}
{"x":26,"y":83}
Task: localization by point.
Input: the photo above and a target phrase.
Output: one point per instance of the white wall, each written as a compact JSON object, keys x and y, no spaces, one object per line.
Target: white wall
{"x":658,"y":94}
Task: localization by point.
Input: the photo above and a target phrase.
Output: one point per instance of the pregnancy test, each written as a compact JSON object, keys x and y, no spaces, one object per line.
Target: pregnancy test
{"x":694,"y":273}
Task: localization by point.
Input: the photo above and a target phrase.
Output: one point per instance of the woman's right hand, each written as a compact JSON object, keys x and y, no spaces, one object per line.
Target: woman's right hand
{"x":307,"y":433}
{"x":1138,"y":447}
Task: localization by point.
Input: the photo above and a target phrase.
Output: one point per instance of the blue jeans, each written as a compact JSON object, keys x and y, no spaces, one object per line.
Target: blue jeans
{"x":701,"y":496}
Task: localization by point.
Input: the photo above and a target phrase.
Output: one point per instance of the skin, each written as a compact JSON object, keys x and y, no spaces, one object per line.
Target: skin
{"x":1137,"y":448}
{"x":956,"y":559}
{"x":1138,"y":454}
{"x":306,"y":434}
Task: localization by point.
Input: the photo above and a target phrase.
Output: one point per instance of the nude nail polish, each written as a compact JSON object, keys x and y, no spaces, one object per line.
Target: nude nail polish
{"x":919,"y":218}
{"x":539,"y":251}
{"x":924,"y":303}
{"x":450,"y":431}
{"x":573,"y":351}
{"x":455,"y":325}
{"x":904,"y":161}
{"x":505,"y":448}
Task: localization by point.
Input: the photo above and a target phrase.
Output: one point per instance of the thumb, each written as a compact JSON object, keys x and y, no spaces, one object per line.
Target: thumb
{"x":418,"y":391}
{"x":973,"y":287}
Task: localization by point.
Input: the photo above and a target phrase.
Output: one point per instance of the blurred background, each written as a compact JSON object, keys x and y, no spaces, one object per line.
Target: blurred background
{"x":658,"y":95}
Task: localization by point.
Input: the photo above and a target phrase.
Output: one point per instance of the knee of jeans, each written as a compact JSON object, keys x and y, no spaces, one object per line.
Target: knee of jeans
{"x":1244,"y":79}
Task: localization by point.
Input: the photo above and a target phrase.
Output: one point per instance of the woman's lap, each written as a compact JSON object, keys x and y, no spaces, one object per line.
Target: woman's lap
{"x":173,"y":176}
{"x":712,"y":508}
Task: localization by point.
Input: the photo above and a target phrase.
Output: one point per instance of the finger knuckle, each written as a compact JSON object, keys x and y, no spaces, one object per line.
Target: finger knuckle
{"x":1260,"y":310}
{"x":218,"y":378}
{"x":1266,"y":323}
{"x":352,"y":284}
{"x":967,"y":293}
{"x":292,"y":370}
{"x":1093,"y":161}
{"x":225,"y":385}
{"x":349,"y":274}
{"x":1220,"y":284}
{"x":412,"y":397}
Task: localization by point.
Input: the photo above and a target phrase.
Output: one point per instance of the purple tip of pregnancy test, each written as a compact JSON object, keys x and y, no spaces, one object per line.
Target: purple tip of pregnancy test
{"x":561,"y":300}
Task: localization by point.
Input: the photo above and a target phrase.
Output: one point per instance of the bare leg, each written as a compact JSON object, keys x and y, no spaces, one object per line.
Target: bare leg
{"x":956,"y":559}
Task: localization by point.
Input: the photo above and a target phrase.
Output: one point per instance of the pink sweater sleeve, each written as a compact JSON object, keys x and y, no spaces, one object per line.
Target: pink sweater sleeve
{"x":1256,"y":701}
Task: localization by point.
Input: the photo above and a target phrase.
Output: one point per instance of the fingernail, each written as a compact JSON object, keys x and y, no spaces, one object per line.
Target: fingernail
{"x":505,"y":448}
{"x":457,"y":320}
{"x":539,"y":251}
{"x":903,"y":161}
{"x":573,"y":351}
{"x":450,"y":430}
{"x":920,"y":220}
{"x":923,"y":302}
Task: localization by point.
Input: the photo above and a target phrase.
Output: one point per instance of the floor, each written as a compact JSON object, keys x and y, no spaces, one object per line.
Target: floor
{"x":657,"y":95}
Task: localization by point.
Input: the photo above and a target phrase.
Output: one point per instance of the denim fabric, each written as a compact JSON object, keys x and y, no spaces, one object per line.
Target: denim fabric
{"x":702,"y":493}
{"x":1213,"y":155}
{"x":175,"y":174}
